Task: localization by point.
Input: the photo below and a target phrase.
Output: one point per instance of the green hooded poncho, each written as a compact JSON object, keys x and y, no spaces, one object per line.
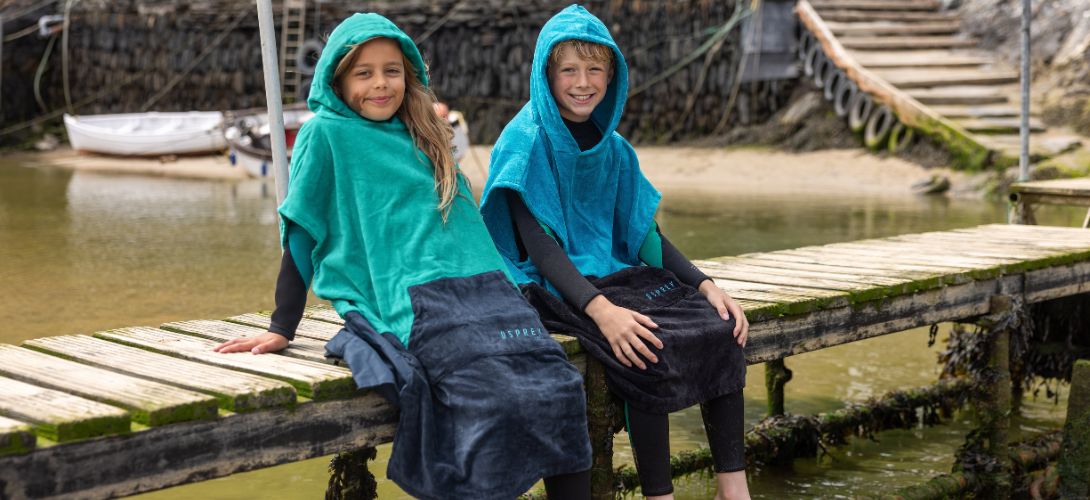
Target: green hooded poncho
{"x":366,"y":195}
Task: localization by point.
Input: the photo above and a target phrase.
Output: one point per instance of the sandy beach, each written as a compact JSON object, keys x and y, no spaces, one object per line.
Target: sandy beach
{"x":716,"y":170}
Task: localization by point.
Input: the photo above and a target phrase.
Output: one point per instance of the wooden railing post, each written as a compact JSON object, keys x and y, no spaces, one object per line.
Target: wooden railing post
{"x":349,"y":478}
{"x":604,"y":418}
{"x":1074,"y":463}
{"x":777,"y":375}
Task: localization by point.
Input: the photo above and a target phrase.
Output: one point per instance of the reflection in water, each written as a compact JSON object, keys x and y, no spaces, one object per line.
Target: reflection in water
{"x":84,"y":252}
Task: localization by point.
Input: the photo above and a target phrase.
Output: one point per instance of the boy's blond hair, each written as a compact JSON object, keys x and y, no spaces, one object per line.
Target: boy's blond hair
{"x":584,"y":50}
{"x":430,"y":133}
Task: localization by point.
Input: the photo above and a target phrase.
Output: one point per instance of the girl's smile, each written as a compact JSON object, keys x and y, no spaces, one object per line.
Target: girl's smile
{"x":374,"y":85}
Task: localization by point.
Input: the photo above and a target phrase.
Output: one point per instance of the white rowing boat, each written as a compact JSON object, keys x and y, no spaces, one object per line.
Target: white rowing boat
{"x":147,"y":134}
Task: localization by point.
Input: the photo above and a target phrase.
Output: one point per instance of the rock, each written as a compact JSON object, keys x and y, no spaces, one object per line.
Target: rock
{"x":48,"y":142}
{"x":801,"y":109}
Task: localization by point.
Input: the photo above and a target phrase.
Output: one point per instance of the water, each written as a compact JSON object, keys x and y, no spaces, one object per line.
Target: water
{"x":83,"y":252}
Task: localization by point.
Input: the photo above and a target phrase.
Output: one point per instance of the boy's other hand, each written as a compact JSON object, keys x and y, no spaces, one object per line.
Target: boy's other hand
{"x":727,"y":308}
{"x":624,"y":329}
{"x":261,"y":344}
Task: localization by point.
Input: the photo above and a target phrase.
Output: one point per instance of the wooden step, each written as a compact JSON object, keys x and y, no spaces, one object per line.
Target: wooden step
{"x":849,"y":16}
{"x":993,"y":111}
{"x":59,"y":416}
{"x":879,"y":5}
{"x":236,"y":391}
{"x":945,"y":77}
{"x":313,"y":380}
{"x":965,"y":95}
{"x":1041,"y":147}
{"x":874,"y":59}
{"x":884,"y":28}
{"x":905,"y":42}
{"x":998,"y":125}
{"x":149,"y":403}
{"x":16,"y":437}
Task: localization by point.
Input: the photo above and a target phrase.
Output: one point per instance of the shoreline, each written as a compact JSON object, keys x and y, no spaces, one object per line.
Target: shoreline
{"x":733,"y":170}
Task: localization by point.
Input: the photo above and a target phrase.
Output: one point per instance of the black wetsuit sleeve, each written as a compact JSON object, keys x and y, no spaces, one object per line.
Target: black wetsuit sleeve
{"x":674,"y":261}
{"x":548,"y":257}
{"x":291,"y":286}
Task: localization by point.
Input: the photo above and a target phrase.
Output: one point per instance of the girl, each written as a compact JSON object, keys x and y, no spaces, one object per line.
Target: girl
{"x":572,"y":215}
{"x":379,"y":215}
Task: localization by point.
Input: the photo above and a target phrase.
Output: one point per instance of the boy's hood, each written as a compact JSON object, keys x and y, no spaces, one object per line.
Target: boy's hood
{"x":574,"y":22}
{"x":352,"y":31}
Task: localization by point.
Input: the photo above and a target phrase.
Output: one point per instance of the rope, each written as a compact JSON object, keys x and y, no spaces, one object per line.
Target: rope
{"x":41,"y":71}
{"x":28,"y":10}
{"x":720,"y":34}
{"x":199,"y":59}
{"x":21,"y":33}
{"x":64,"y":56}
{"x":438,"y":23}
{"x":736,"y":85}
{"x":58,"y":112}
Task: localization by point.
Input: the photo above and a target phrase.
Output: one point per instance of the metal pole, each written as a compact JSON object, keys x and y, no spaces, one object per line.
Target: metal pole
{"x":272,"y":98}
{"x":1023,"y":159}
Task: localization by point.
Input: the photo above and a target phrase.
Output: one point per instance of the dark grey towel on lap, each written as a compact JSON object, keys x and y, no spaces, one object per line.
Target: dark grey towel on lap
{"x":492,"y":404}
{"x":700,"y":359}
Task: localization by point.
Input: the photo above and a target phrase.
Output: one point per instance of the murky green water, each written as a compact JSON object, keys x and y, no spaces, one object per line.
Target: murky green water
{"x":83,"y":252}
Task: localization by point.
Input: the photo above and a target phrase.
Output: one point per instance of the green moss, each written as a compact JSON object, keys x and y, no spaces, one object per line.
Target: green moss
{"x":17,"y":441}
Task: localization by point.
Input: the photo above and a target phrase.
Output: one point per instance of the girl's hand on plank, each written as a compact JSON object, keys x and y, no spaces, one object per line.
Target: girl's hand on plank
{"x":727,"y":308}
{"x":625,"y":330}
{"x":261,"y":344}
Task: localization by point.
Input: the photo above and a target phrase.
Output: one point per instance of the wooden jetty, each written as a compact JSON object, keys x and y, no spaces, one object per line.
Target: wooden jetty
{"x":893,"y":68}
{"x":140,"y":408}
{"x":1026,"y":195}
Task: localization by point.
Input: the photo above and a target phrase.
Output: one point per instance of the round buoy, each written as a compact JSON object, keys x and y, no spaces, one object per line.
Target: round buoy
{"x":307,"y":56}
{"x":878,"y":126}
{"x":813,"y":59}
{"x":859,"y":111}
{"x":900,"y":137}
{"x":845,"y":93}
{"x":832,"y":81}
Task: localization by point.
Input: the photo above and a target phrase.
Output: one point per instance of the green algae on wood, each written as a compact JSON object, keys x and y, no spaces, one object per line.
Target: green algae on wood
{"x":1074,"y":464}
{"x":58,"y":416}
{"x":15,"y":437}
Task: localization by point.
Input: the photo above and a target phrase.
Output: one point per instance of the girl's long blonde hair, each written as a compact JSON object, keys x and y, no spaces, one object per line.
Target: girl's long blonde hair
{"x":430,"y":133}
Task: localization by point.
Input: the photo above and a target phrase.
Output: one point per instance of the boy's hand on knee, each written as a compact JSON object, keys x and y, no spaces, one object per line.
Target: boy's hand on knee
{"x":625,"y":330}
{"x":261,"y":344}
{"x":727,"y":308}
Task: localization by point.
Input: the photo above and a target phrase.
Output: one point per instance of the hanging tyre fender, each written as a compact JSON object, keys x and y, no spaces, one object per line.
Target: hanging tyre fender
{"x":812,"y":60}
{"x":846,"y":93}
{"x":307,"y":56}
{"x":900,"y":137}
{"x":878,"y":126}
{"x":833,"y":80}
{"x":859,"y":111}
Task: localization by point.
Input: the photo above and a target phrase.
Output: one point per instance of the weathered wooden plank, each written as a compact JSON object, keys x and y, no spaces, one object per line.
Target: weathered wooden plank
{"x":1067,"y":187}
{"x":876,"y":59}
{"x":310,"y":328}
{"x":15,"y":437}
{"x":879,"y":5}
{"x":905,"y":42}
{"x":1033,"y":244}
{"x":222,"y":331}
{"x":894,"y":28}
{"x":993,"y":111}
{"x":323,"y":312}
{"x":909,"y":253}
{"x":149,"y":403}
{"x":937,"y":250}
{"x":1056,"y":282}
{"x":998,"y":125}
{"x":236,"y":391}
{"x":194,"y":451}
{"x":760,"y":267}
{"x":857,"y":262}
{"x":313,"y":380}
{"x":849,"y":15}
{"x":945,"y":77}
{"x":953,"y":264}
{"x":871,"y":270}
{"x":964,"y":95}
{"x":59,"y":416}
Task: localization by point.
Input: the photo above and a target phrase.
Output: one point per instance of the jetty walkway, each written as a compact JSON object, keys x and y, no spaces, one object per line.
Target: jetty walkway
{"x":893,"y":68}
{"x":141,"y":408}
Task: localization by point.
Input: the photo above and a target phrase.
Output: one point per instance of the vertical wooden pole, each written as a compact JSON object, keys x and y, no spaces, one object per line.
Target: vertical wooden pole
{"x":994,"y":410}
{"x":1074,"y":463}
{"x":777,"y":375}
{"x":603,"y":416}
{"x":349,"y":478}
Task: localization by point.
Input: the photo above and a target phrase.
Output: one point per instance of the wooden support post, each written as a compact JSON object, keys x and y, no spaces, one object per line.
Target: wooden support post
{"x":349,"y":478}
{"x":994,"y":409}
{"x":776,"y":376}
{"x":604,"y":419}
{"x":1074,"y":464}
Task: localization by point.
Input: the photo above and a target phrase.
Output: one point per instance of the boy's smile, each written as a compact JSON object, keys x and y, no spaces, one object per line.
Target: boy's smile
{"x":578,"y":85}
{"x":374,"y":85}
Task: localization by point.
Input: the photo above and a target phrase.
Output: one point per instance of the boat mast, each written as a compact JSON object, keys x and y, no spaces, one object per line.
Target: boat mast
{"x":273,"y":99}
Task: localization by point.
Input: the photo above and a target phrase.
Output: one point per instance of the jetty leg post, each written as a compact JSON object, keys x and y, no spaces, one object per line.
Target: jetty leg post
{"x":604,"y":419}
{"x":349,"y":478}
{"x":994,"y":408}
{"x":777,"y":375}
{"x":1074,"y":463}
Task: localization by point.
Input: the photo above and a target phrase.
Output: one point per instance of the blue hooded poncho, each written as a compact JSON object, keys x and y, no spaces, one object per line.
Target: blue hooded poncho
{"x":365,"y":194}
{"x":597,"y":203}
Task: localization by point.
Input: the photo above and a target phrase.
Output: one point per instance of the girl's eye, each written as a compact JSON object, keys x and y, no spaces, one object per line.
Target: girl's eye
{"x":363,"y":74}
{"x":393,"y":71}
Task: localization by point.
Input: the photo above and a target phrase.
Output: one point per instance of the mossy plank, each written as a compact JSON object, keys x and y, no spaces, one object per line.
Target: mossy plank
{"x":1056,"y":282}
{"x":15,"y":437}
{"x":982,"y":248}
{"x":309,"y":328}
{"x":801,"y":279}
{"x":872,"y":270}
{"x":323,"y":312}
{"x":812,"y":255}
{"x":1010,"y":240}
{"x":1061,"y":187}
{"x":59,"y":416}
{"x":150,"y":403}
{"x":318,"y":381}
{"x":842,"y":275}
{"x":222,"y":331}
{"x":236,"y":391}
